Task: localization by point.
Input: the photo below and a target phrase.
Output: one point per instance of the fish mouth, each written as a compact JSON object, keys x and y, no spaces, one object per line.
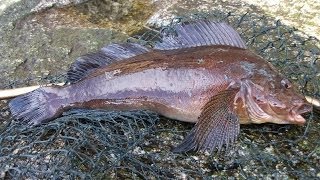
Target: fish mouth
{"x":298,"y":119}
{"x":297,"y":112}
{"x":294,"y":115}
{"x":304,"y":108}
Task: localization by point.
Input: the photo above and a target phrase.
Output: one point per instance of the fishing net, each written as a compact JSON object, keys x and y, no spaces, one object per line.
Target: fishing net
{"x":97,"y":144}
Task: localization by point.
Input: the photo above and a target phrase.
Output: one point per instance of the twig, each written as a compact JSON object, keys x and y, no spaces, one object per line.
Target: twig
{"x":313,"y":101}
{"x":10,"y":93}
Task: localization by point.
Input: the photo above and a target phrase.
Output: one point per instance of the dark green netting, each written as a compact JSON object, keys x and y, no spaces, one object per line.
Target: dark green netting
{"x":95,"y":144}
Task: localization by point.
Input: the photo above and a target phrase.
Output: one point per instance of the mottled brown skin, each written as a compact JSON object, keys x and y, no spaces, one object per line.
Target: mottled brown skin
{"x":178,"y":83}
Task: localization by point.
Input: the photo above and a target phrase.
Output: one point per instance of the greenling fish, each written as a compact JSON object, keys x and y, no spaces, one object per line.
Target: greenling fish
{"x":203,"y":73}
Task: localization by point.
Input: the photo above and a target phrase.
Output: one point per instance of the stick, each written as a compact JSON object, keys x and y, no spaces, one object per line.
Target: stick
{"x":313,"y":101}
{"x":10,"y":93}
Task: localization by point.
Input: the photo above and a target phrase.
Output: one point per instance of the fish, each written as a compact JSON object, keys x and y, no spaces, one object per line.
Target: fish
{"x":203,"y":73}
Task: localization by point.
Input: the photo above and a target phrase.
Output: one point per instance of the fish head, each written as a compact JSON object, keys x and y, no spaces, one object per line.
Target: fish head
{"x":275,"y":100}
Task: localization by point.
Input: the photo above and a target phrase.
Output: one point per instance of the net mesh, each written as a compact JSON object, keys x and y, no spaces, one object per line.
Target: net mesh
{"x":97,"y":144}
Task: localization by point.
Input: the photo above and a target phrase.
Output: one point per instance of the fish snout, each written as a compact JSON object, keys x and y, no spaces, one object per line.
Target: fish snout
{"x":304,"y":108}
{"x":300,"y":108}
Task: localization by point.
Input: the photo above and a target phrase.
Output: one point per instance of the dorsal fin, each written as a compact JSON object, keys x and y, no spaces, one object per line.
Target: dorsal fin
{"x":111,"y":53}
{"x":200,"y":33}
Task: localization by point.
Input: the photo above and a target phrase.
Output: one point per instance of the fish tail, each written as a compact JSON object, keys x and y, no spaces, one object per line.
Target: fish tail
{"x":35,"y":107}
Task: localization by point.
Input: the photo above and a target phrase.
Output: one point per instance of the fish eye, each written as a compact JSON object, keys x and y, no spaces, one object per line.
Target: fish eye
{"x":285,"y":83}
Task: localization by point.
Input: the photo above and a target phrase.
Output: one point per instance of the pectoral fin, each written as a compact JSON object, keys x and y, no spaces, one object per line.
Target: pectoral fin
{"x":218,"y":125}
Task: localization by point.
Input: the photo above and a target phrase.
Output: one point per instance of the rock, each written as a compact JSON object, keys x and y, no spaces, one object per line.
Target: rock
{"x":44,"y":4}
{"x":301,"y":14}
{"x":41,"y":38}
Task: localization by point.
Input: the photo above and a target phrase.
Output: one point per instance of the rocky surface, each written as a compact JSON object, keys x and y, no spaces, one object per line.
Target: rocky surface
{"x":45,"y":4}
{"x":40,"y":38}
{"x":303,"y":15}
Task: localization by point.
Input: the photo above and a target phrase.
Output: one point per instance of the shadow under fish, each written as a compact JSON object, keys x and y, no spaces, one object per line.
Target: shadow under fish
{"x":202,"y":74}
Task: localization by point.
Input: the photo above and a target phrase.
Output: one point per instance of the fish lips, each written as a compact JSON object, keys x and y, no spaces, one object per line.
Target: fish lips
{"x":292,"y":115}
{"x":297,"y":112}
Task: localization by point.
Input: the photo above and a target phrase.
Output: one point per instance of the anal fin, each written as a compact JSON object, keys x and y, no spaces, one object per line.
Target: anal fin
{"x":217,"y":125}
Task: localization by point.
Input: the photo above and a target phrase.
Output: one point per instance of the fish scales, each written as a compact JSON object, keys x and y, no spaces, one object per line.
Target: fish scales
{"x":204,"y":74}
{"x":177,"y":86}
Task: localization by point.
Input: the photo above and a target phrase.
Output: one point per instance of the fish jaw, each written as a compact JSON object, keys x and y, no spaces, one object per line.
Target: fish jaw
{"x":298,"y":119}
{"x":292,"y":118}
{"x":295,"y":116}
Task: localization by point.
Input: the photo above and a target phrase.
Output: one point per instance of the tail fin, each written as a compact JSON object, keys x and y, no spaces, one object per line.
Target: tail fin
{"x":34,"y":107}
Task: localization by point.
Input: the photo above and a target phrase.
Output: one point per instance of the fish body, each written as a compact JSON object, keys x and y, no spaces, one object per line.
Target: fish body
{"x":204,"y":75}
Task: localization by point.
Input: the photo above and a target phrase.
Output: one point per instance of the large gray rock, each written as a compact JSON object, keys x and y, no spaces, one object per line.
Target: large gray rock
{"x":44,"y":4}
{"x":41,"y":38}
{"x":304,"y":15}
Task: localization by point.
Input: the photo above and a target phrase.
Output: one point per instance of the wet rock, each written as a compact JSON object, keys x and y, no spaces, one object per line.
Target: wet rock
{"x":304,"y":15}
{"x":101,"y":9}
{"x":41,"y":38}
{"x":44,"y":4}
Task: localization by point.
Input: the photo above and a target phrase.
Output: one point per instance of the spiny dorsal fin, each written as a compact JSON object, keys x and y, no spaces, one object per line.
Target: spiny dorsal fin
{"x":111,"y":53}
{"x":200,"y":33}
{"x":217,"y":125}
